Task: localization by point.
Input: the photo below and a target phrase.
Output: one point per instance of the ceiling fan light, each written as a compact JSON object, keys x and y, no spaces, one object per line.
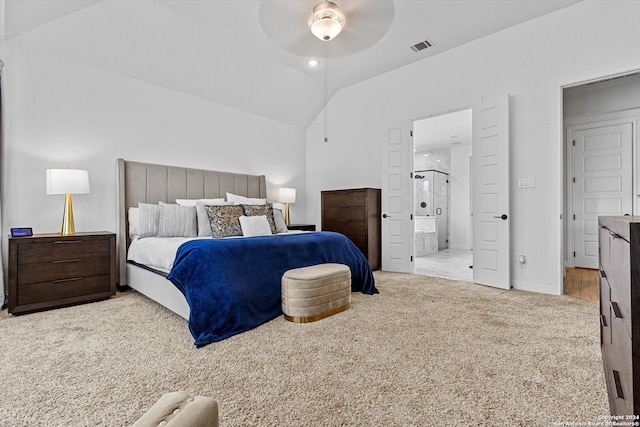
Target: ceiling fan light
{"x":326,"y":21}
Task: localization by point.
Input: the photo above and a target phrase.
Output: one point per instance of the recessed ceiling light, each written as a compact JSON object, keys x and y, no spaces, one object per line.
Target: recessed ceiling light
{"x":312,"y":62}
{"x":426,"y":155}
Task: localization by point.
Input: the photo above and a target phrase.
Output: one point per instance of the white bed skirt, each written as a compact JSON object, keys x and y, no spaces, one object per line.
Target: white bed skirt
{"x":158,"y":288}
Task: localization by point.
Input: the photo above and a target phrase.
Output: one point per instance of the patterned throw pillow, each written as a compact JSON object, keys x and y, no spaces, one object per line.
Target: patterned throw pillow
{"x":225,"y":220}
{"x":261,"y":210}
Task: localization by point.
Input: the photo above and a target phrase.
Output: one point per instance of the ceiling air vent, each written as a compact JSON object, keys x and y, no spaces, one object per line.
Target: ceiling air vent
{"x":422,"y":45}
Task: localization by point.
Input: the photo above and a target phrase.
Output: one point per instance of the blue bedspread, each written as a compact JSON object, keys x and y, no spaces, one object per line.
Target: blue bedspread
{"x":233,"y":285}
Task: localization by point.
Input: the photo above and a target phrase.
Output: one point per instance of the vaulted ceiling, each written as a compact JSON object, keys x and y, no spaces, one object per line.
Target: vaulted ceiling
{"x":240,"y":53}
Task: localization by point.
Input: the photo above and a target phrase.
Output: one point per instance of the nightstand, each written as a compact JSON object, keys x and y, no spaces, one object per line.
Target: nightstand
{"x":50,"y":270}
{"x":303,"y":227}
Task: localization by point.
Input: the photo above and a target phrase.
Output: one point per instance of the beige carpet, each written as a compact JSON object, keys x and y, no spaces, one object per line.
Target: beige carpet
{"x":424,"y":352}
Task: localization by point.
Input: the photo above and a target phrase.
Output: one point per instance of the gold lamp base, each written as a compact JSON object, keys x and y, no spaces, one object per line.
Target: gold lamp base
{"x":287,"y":217}
{"x":68,"y":228}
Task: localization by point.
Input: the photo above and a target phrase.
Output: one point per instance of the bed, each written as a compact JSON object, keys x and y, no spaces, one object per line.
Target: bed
{"x":238,"y":287}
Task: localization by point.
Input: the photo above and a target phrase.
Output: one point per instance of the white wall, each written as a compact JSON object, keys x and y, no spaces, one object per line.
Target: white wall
{"x":460,"y":211}
{"x":61,"y":112}
{"x":604,"y":97}
{"x":530,"y":62}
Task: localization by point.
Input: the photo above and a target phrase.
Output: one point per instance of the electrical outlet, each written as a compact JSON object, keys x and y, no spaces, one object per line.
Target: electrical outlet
{"x":522,"y":260}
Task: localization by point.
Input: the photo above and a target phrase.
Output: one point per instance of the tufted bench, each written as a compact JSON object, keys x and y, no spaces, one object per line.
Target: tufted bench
{"x":315,"y":292}
{"x":178,"y":409}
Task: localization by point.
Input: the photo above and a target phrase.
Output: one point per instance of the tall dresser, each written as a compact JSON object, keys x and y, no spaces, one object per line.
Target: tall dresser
{"x":619,"y":242}
{"x":356,"y":214}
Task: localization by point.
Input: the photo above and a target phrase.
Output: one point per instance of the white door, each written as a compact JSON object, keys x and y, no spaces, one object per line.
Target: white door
{"x":397,"y":195}
{"x":602,"y":184}
{"x":491,"y":218}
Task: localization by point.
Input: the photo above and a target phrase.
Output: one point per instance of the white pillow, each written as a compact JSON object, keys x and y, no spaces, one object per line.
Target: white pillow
{"x":255,"y":226}
{"x":134,"y":222}
{"x":192,"y":202}
{"x":278,"y":218}
{"x":204,"y":226}
{"x":241,"y":200}
{"x":177,"y":221}
{"x":148,"y":221}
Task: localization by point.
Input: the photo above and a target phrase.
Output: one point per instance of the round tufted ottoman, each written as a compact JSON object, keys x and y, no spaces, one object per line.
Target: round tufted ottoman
{"x":315,"y":292}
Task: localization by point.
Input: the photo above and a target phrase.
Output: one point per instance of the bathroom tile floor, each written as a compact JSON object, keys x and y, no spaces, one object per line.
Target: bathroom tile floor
{"x":448,"y":263}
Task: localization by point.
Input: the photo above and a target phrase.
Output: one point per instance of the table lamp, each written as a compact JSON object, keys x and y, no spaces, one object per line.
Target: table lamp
{"x":68,"y":182}
{"x":286,"y":196}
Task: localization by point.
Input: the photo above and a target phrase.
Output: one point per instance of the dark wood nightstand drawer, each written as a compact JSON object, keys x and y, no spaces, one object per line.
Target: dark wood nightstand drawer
{"x":70,"y":288}
{"x":302,"y":227}
{"x":62,"y":250}
{"x":61,"y":270}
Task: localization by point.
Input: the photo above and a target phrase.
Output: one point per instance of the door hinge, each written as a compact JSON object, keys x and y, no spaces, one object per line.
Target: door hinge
{"x":411,"y":175}
{"x":574,"y":217}
{"x":574,"y":179}
{"x":411,"y":133}
{"x":411,"y":258}
{"x":574,"y":254}
{"x":574,"y":142}
{"x":411,"y":217}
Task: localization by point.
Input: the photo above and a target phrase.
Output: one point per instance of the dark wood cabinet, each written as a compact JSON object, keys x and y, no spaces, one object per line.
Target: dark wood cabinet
{"x":356,"y":214}
{"x":50,"y":270}
{"x":619,"y":246}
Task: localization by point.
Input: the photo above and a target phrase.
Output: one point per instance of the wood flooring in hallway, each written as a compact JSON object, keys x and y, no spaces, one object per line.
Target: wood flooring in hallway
{"x":581,"y":283}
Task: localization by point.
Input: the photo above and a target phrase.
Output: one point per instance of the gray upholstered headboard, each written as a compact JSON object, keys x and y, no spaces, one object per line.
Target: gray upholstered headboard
{"x":149,"y":183}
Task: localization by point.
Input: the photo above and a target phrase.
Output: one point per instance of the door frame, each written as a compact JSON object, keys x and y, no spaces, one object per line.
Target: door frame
{"x":441,"y":112}
{"x":472,"y":105}
{"x":558,"y":253}
{"x":585,"y":122}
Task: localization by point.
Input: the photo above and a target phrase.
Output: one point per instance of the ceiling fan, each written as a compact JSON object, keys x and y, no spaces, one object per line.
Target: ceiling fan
{"x":289,"y":24}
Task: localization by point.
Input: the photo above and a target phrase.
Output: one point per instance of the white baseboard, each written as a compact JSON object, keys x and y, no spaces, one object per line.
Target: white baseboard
{"x":544,"y":288}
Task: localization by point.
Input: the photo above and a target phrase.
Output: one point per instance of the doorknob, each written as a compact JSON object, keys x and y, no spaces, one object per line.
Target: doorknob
{"x":503,"y":216}
{"x":386,"y":216}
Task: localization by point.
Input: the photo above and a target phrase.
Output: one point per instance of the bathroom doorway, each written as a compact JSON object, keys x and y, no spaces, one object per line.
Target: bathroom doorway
{"x":442,"y":195}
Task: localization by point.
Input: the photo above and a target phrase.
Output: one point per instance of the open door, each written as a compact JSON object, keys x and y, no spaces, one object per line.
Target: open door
{"x":491,"y":218}
{"x":397,"y":198}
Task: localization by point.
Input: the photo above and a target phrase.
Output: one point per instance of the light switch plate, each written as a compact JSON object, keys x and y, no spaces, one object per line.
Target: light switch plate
{"x":526,"y":183}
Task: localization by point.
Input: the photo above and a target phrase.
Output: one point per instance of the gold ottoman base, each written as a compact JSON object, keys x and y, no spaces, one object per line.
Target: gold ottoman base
{"x":315,"y":292}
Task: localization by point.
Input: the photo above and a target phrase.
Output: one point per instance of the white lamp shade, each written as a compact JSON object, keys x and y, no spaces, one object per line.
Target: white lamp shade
{"x":287,"y":195}
{"x":67,"y":181}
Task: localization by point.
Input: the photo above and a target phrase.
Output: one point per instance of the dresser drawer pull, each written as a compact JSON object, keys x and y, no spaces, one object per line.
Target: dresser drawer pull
{"x":616,"y":379}
{"x":603,"y":321}
{"x":616,"y":310}
{"x":71,"y":279}
{"x":342,"y":220}
{"x":66,"y":260}
{"x":65,"y":242}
